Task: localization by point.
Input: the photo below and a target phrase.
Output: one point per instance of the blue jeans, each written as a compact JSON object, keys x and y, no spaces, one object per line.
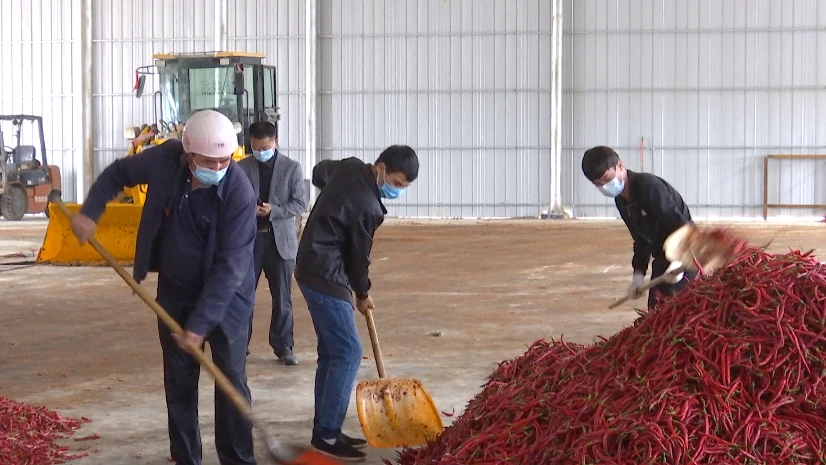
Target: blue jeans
{"x":339,"y":356}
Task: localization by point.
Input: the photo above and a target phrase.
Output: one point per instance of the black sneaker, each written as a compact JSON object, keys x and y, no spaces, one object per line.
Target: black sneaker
{"x":355,"y":443}
{"x":339,"y":450}
{"x":288,"y":358}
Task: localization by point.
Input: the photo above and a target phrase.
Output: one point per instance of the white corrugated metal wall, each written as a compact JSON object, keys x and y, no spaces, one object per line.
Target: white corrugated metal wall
{"x":465,"y":82}
{"x":699,"y":91}
{"x":39,"y":46}
{"x":706,"y":88}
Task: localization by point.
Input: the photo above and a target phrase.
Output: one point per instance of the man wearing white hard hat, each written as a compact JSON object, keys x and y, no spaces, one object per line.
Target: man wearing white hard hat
{"x":197,"y":230}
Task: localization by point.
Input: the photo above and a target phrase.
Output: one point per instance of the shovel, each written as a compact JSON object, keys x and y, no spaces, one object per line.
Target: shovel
{"x":695,"y":250}
{"x":395,"y":412}
{"x":281,"y":453}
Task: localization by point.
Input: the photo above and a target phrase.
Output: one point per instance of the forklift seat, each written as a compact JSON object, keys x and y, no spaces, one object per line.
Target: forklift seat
{"x":24,"y":156}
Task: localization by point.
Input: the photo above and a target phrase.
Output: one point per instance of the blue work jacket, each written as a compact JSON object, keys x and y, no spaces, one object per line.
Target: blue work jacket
{"x":227,"y":296}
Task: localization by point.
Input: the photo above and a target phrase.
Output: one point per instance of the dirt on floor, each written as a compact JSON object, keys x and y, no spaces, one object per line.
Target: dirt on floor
{"x":76,"y":340}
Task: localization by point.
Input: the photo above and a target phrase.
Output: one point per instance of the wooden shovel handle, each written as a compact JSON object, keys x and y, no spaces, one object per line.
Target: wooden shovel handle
{"x":220,"y":379}
{"x":374,"y":341}
{"x":652,"y":283}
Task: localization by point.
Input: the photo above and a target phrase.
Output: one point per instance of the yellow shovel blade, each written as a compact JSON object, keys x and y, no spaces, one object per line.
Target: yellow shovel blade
{"x":117,"y":231}
{"x":397,"y":412}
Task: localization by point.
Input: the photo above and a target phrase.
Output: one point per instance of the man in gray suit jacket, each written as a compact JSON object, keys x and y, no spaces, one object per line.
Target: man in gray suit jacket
{"x":279,"y":184}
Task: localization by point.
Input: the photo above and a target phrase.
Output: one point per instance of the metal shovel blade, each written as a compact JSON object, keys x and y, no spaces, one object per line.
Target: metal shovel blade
{"x":397,"y":412}
{"x":309,"y":457}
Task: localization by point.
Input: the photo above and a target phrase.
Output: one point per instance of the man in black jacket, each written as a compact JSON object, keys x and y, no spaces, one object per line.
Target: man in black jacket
{"x":332,"y":265}
{"x":651,"y":209}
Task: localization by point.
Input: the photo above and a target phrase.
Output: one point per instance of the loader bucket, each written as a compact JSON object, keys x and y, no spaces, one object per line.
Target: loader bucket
{"x":117,"y":231}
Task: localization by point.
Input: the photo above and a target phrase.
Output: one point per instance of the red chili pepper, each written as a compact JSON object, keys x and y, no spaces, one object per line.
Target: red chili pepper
{"x":729,"y":370}
{"x":27,"y":434}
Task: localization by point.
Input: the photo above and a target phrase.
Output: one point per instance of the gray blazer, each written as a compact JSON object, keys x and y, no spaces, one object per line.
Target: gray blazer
{"x":287,"y":200}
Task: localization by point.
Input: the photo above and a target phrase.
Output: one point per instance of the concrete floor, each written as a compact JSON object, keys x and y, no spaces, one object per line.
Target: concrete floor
{"x":77,"y":340}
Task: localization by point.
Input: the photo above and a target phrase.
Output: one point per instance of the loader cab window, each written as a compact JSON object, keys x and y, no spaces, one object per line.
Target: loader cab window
{"x":269,"y":88}
{"x":248,"y":99}
{"x":172,"y":101}
{"x":212,"y":89}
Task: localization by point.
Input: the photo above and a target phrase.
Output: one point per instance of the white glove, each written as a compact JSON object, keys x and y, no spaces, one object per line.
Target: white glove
{"x":636,"y":282}
{"x":671,"y":276}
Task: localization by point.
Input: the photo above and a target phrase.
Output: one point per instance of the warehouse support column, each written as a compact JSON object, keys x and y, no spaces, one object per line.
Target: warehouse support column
{"x":87,"y":100}
{"x":556,"y":210}
{"x":310,"y":74}
{"x":221,"y":30}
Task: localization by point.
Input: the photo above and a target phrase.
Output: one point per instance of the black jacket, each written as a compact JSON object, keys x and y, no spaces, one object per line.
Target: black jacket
{"x":334,"y":252}
{"x":654,"y":211}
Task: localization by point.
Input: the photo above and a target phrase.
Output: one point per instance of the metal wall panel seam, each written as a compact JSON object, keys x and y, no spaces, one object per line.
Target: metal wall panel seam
{"x":145,"y":40}
{"x":363,"y":71}
{"x":436,"y":91}
{"x":710,"y":147}
{"x":642,"y":32}
{"x":446,"y":148}
{"x":38,"y":42}
{"x":403,"y":35}
{"x":617,"y":118}
{"x":692,"y":205}
{"x":427,"y":206}
{"x":87,"y":100}
{"x":559,"y":19}
{"x":691,"y":89}
{"x":572,"y":112}
{"x":816,"y":54}
{"x":745,"y":100}
{"x":708,"y":118}
{"x":464,"y":205}
{"x":555,"y":178}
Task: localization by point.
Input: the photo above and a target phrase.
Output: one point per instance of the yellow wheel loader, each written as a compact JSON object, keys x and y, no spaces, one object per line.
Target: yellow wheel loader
{"x":236,"y":84}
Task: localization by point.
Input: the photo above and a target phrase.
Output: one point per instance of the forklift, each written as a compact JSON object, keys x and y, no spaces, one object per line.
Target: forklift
{"x":26,"y":182}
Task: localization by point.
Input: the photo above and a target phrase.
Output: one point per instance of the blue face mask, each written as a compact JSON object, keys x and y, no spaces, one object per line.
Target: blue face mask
{"x":263,"y":155}
{"x":612,"y":188}
{"x":390,"y":192}
{"x":208,"y":176}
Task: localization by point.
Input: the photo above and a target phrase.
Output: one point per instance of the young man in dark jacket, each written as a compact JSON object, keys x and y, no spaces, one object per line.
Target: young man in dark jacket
{"x":651,"y":209}
{"x":332,"y":265}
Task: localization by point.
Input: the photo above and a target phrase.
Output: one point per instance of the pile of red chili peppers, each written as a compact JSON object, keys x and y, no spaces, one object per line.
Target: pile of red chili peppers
{"x":27,"y":434}
{"x":729,"y":371}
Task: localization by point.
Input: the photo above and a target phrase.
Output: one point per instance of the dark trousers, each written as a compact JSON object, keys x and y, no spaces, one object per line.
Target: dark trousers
{"x":233,"y":432}
{"x":658,"y":268}
{"x":279,"y":274}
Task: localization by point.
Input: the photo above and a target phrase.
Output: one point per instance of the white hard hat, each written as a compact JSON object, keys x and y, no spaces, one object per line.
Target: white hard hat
{"x":209,"y":133}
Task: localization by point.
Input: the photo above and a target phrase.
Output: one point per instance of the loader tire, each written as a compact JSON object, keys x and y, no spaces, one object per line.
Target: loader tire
{"x":14,"y":204}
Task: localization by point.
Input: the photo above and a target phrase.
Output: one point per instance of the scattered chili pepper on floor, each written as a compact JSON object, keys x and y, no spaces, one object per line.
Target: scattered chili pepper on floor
{"x":732,"y":370}
{"x":27,"y":434}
